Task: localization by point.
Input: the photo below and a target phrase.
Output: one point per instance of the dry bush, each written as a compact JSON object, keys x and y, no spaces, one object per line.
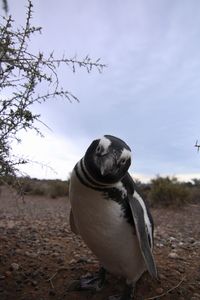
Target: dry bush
{"x":58,"y":188}
{"x":46,"y":188}
{"x":167,"y":192}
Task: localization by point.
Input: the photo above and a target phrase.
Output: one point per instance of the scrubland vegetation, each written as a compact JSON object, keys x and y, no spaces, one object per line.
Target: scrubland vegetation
{"x":160,"y":192}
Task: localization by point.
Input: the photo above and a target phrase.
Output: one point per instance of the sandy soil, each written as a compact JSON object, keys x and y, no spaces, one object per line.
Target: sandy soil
{"x":39,"y":256}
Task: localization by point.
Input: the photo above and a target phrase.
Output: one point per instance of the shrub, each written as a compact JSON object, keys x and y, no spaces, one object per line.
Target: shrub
{"x":37,"y":187}
{"x":168,"y":192}
{"x":58,"y":188}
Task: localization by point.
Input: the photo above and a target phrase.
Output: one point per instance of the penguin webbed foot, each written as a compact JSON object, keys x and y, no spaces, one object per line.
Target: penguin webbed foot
{"x":94,"y":283}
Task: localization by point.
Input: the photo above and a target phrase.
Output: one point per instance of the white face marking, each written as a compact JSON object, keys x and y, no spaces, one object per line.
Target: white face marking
{"x":146,"y":218}
{"x":126,"y":154}
{"x":104,"y":143}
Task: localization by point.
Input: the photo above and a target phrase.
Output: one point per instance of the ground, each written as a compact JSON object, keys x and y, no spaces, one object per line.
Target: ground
{"x":39,"y":256}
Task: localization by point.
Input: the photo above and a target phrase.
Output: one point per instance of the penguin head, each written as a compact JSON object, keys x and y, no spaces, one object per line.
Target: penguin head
{"x":107,"y":159}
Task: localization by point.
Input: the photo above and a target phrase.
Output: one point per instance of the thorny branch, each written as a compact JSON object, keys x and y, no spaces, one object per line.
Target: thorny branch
{"x":22,"y":75}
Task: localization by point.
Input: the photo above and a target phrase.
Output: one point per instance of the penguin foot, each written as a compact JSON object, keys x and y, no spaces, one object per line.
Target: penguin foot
{"x":95,"y":282}
{"x":127,"y":294}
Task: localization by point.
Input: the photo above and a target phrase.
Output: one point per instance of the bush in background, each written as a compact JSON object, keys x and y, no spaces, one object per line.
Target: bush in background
{"x":167,"y":191}
{"x":160,"y":192}
{"x":48,"y":188}
{"x":58,"y":188}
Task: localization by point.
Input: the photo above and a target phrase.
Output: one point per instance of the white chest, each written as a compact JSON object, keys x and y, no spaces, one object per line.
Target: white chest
{"x":94,"y":214}
{"x":104,"y":229}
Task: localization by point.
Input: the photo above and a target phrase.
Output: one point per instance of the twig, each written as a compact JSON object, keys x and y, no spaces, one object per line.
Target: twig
{"x":54,"y":275}
{"x":167,"y":292}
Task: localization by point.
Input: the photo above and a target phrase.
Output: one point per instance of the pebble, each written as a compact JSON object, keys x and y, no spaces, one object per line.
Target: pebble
{"x":173,"y":255}
{"x":34,"y":283}
{"x":191,"y":240}
{"x":15,"y":266}
{"x":159,"y":290}
{"x":159,"y":245}
{"x":31,"y":254}
{"x":172,"y":239}
{"x":181,"y":244}
{"x":72,"y":261}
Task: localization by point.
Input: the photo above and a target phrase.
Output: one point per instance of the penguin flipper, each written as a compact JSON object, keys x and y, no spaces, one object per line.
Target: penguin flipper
{"x":142,"y":234}
{"x":72,"y":223}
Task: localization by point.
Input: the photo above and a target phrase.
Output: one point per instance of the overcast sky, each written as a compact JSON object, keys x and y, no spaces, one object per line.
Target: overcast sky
{"x":148,"y":95}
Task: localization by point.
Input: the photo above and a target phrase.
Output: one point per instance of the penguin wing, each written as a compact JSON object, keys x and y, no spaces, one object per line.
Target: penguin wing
{"x":72,"y":223}
{"x":143,"y":231}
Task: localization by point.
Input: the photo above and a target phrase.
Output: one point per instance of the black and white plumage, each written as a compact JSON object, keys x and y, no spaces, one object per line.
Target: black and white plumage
{"x":109,"y":214}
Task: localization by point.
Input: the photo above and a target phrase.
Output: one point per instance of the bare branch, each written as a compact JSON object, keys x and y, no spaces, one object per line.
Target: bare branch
{"x":22,"y":73}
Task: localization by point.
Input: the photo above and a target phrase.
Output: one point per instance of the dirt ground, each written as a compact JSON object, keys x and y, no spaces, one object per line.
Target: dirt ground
{"x":39,"y":256}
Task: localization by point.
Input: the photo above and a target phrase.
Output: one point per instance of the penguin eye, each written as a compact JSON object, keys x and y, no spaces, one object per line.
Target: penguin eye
{"x":123,"y":161}
{"x":98,"y":149}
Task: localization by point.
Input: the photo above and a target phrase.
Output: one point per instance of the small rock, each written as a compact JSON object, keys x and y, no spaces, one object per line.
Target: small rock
{"x":173,"y":246}
{"x":18,"y":251}
{"x":31,"y":254}
{"x":172,"y":239}
{"x":159,"y":245}
{"x":173,"y":255}
{"x":191,"y":240}
{"x":181,"y":244}
{"x":34,"y":283}
{"x":15,"y":266}
{"x":159,"y":290}
{"x":72,"y":261}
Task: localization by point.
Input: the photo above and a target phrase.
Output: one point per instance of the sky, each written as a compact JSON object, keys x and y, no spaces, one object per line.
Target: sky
{"x":148,"y":95}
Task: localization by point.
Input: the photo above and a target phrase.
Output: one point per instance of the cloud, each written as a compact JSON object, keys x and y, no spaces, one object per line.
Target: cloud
{"x":148,"y":95}
{"x":51,"y":157}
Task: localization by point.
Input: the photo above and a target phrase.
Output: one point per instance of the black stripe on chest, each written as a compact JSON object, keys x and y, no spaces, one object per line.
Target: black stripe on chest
{"x":114,"y":194}
{"x":109,"y":193}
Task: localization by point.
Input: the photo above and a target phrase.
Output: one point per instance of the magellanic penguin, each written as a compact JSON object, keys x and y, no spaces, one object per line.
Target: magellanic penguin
{"x":110,"y":215}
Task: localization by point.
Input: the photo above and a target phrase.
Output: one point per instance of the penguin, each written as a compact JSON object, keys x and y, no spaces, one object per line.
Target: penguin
{"x":110,"y":215}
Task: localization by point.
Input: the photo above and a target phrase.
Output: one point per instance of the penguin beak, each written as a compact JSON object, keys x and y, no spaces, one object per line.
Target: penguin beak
{"x":107,"y":165}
